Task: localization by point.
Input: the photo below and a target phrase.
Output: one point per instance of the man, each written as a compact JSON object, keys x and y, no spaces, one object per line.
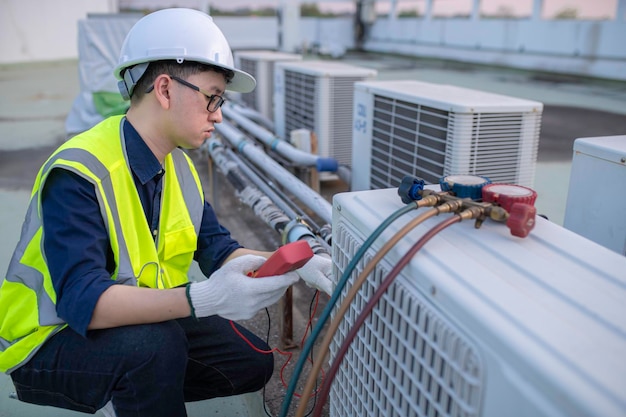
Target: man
{"x":96,"y":306}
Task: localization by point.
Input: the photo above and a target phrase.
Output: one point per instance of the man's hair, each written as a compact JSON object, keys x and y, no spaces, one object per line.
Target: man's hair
{"x":172,"y":67}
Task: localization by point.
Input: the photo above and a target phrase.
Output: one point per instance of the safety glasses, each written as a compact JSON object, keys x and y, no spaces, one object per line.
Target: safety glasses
{"x":215,"y":100}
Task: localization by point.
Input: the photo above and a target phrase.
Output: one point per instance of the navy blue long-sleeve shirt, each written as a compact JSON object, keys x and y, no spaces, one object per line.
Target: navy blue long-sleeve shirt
{"x":76,"y":242}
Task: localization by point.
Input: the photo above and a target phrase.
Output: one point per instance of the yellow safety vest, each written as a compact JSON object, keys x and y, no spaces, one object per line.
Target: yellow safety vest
{"x":27,"y":297}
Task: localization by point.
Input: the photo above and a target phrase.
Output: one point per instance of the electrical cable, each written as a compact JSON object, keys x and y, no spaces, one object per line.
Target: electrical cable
{"x":323,"y":394}
{"x":312,"y":311}
{"x":356,"y":286}
{"x":333,"y":300}
{"x":267,"y":342}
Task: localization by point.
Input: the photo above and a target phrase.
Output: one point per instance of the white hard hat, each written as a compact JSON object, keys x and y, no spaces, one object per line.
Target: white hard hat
{"x":176,"y":34}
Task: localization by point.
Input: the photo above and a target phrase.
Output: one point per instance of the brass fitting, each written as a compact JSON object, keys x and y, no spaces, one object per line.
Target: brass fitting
{"x":449,"y":206}
{"x":430,"y":200}
{"x":498,"y":214}
{"x":473,"y":212}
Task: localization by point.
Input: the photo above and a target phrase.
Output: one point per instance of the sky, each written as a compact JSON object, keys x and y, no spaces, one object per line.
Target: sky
{"x":589,"y":9}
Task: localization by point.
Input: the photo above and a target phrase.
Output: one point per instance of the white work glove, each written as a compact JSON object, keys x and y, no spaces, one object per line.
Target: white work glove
{"x":233,"y":295}
{"x":317,"y":273}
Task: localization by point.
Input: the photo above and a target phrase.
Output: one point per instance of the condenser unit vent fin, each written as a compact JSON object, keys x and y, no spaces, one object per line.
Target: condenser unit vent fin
{"x":341,"y":92}
{"x":300,"y":98}
{"x":495,"y":144}
{"x":407,"y":139}
{"x":418,"y":140}
{"x":249,"y":66}
{"x":407,"y":359}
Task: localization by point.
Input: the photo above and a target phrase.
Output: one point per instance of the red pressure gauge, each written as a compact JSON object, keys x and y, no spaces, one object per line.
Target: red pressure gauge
{"x":518,"y":201}
{"x":506,"y":195}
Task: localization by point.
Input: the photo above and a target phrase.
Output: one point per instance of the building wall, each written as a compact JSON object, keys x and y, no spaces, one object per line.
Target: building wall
{"x":581,"y":47}
{"x":42,"y":30}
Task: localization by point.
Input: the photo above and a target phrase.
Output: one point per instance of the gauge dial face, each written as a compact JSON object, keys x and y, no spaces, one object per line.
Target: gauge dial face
{"x":508,"y":194}
{"x":510,"y":190}
{"x":464,"y":186}
{"x":465,"y":179}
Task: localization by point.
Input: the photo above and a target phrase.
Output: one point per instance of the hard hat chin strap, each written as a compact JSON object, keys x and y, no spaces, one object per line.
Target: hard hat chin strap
{"x":131,"y":78}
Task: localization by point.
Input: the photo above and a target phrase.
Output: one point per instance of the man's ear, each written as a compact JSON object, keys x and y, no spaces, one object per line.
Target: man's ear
{"x":162,"y":86}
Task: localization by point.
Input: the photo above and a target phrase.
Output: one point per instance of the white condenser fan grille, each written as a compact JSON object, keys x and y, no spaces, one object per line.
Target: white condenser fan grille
{"x":318,"y":96}
{"x":341,"y":92}
{"x":300,"y":97}
{"x":260,"y":64}
{"x":250,"y":66}
{"x":429,"y":130}
{"x":406,"y":138}
{"x":407,"y":360}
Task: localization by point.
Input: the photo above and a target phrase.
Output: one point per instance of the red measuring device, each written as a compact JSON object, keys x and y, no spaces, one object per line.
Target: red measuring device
{"x":286,"y":258}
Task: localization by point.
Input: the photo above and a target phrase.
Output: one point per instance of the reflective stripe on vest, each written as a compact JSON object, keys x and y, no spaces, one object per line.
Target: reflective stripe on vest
{"x":27,"y":297}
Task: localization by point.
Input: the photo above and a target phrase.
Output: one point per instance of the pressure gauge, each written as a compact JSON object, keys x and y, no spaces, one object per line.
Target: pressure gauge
{"x":518,"y":201}
{"x":464,"y":186}
{"x":506,"y":195}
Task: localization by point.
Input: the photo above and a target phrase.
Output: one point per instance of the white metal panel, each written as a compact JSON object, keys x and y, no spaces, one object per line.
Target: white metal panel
{"x":452,"y":98}
{"x":324,"y":68}
{"x":596,"y":200}
{"x":540,"y":319}
{"x":363,"y":117}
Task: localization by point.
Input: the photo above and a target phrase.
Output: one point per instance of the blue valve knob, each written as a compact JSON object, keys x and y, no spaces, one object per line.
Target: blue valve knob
{"x":464,"y":186}
{"x":409,"y":189}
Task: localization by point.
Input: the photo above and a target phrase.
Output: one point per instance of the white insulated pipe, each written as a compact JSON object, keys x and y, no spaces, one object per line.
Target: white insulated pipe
{"x":283,"y":148}
{"x":303,"y":192}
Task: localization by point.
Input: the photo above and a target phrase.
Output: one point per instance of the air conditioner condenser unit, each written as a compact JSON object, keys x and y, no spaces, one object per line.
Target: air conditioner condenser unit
{"x":260,"y":64}
{"x":480,"y":322}
{"x":431,"y":130}
{"x":598,"y":173}
{"x":318,"y":96}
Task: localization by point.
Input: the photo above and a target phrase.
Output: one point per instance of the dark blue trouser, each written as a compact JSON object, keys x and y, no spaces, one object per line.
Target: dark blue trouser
{"x":146,"y":370}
